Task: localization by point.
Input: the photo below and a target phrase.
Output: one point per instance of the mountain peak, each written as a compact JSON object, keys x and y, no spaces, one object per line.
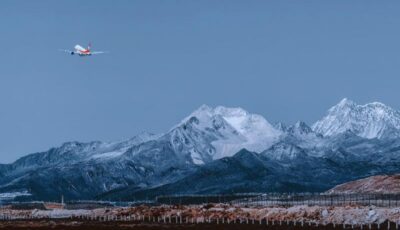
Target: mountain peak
{"x":300,"y":127}
{"x":241,"y":120}
{"x":226,"y":130}
{"x":226,"y":111}
{"x":371,"y":120}
{"x":205,"y":111}
{"x":346,"y":102}
{"x":203,"y":108}
{"x":284,"y":151}
{"x":280,"y":126}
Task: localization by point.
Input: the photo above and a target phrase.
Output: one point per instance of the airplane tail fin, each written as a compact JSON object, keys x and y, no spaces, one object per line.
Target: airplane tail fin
{"x":89,"y":46}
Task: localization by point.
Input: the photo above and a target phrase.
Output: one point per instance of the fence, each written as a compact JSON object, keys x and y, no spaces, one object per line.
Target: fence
{"x":242,"y":222}
{"x":202,"y":199}
{"x":286,"y":199}
{"x":249,"y":199}
{"x":379,"y":200}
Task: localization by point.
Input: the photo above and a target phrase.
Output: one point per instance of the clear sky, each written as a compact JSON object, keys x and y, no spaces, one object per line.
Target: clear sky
{"x":285,"y":60}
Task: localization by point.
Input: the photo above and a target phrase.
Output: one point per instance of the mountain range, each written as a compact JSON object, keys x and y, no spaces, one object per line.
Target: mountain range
{"x":217,"y":150}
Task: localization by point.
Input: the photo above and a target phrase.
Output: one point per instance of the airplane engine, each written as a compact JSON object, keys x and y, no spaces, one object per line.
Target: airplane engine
{"x":72,"y":52}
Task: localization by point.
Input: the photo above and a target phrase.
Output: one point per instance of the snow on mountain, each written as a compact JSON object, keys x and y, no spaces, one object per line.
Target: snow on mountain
{"x":372,"y":120}
{"x":283,"y":151}
{"x":210,"y":141}
{"x":300,"y":134}
{"x":300,"y":128}
{"x":115,"y":149}
{"x":280,"y":126}
{"x":212,"y":133}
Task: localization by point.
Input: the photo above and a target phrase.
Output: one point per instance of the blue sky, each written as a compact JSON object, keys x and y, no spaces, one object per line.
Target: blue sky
{"x":285,"y":60}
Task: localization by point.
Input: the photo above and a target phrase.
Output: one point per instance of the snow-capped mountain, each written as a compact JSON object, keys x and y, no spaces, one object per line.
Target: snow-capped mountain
{"x":147,"y":160}
{"x":372,"y":120}
{"x":218,"y":150}
{"x":212,"y":133}
{"x":284,"y":151}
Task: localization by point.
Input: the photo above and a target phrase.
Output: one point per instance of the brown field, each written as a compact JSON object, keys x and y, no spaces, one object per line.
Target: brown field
{"x":96,"y":225}
{"x":209,"y":216}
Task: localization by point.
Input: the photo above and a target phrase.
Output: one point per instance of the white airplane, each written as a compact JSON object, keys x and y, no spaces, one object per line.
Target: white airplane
{"x":79,"y":50}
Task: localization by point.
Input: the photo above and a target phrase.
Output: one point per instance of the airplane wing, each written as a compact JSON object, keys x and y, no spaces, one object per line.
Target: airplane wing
{"x":99,"y":52}
{"x":66,"y":51}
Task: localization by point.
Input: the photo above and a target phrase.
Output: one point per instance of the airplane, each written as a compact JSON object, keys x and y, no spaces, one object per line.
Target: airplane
{"x":79,"y":50}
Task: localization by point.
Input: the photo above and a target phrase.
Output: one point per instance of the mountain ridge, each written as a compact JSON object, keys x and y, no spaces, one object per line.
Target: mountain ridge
{"x":372,"y":120}
{"x":218,"y":141}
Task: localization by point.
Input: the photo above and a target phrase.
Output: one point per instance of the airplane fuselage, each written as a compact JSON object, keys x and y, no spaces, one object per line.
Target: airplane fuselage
{"x":79,"y":50}
{"x":83,"y":52}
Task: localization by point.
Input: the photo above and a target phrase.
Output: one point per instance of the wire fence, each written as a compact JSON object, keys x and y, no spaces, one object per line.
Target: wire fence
{"x":286,"y":199}
{"x":242,"y":199}
{"x":380,"y":200}
{"x":203,"y":199}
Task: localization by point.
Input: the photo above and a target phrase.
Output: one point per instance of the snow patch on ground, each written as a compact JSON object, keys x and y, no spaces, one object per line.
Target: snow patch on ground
{"x":60,"y":213}
{"x":12,"y":195}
